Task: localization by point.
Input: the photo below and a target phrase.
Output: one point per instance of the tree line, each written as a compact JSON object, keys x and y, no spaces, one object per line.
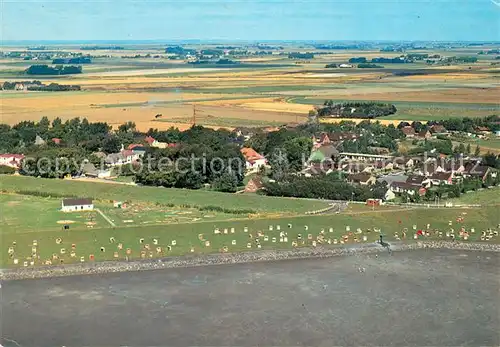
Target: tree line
{"x":39,"y":86}
{"x":332,"y":187}
{"x":53,"y":70}
{"x":367,"y":110}
{"x":75,"y":60}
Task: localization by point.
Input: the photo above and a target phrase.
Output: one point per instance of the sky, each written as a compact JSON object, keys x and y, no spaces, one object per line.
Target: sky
{"x":439,"y":20}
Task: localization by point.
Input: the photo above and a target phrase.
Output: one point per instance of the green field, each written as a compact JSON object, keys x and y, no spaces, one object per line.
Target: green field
{"x":46,"y":215}
{"x":190,"y":238}
{"x":234,"y":203}
{"x":490,"y":196}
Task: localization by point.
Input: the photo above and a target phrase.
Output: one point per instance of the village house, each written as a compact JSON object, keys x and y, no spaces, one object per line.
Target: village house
{"x":39,"y":141}
{"x":122,"y":158}
{"x":478,"y":171}
{"x":319,"y":168}
{"x":363,"y":179}
{"x":483,"y":130}
{"x":428,"y":169}
{"x":420,"y":181}
{"x":73,"y":205}
{"x":453,"y":166}
{"x":21,"y":87}
{"x":136,"y":147}
{"x":389,"y":195}
{"x":89,"y":170}
{"x":254,"y":185}
{"x":424,"y":134}
{"x":390,"y":178}
{"x":353,"y":166}
{"x":439,"y":178}
{"x":244,"y":132}
{"x":438,"y":129}
{"x":11,"y":160}
{"x":410,"y":189}
{"x":56,"y":140}
{"x":323,"y":152}
{"x":253,"y":160}
{"x":383,"y":165}
{"x":364,"y":156}
{"x":152,"y":142}
{"x":408,"y":131}
{"x":335,"y":137}
{"x":405,"y":163}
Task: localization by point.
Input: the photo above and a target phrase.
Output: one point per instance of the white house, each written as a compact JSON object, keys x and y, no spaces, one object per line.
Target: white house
{"x":12,"y":160}
{"x":73,"y":205}
{"x":124,"y":157}
{"x":389,"y":195}
{"x":253,"y":159}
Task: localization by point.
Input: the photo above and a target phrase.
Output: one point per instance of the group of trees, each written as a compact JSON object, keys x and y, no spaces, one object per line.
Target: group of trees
{"x":368,"y":110}
{"x":178,"y":50}
{"x":381,"y":60}
{"x":464,"y":59}
{"x":53,"y":70}
{"x":286,"y":148}
{"x":75,"y":60}
{"x":470,"y":124}
{"x":369,"y":66}
{"x":300,"y":55}
{"x":210,"y":156}
{"x":98,"y":48}
{"x":397,"y":60}
{"x":75,"y":132}
{"x":332,"y":186}
{"x":54,"y":87}
{"x":214,"y":159}
{"x":12,"y":85}
{"x":39,"y":86}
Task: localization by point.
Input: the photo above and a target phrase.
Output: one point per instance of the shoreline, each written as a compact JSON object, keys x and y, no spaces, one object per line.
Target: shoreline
{"x":231,"y":258}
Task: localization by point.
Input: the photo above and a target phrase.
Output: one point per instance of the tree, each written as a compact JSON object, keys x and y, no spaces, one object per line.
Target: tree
{"x":298,"y":150}
{"x":477,"y":151}
{"x":279,"y":164}
{"x":491,"y":160}
{"x":227,"y":182}
{"x":468,"y":149}
{"x":127,"y":127}
{"x":312,"y":116}
{"x":111,"y":144}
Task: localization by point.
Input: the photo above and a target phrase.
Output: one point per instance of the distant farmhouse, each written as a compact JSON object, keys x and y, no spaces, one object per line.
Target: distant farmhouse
{"x":73,"y":205}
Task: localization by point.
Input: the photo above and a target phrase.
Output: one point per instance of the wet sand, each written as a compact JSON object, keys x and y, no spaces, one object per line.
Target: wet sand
{"x":418,"y":298}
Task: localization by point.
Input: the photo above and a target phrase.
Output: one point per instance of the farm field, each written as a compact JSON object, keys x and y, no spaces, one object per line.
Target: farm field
{"x":141,"y":241}
{"x":263,"y":91}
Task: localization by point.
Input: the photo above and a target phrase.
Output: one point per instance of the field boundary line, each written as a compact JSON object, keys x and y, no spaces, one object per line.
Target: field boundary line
{"x":105,"y":217}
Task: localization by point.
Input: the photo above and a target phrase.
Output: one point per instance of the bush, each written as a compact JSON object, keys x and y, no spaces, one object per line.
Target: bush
{"x":6,"y":170}
{"x":357,"y":60}
{"x":369,"y":66}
